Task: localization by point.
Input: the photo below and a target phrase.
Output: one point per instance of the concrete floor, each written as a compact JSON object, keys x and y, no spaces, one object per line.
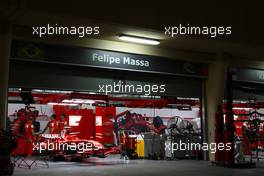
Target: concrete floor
{"x":113,"y":166}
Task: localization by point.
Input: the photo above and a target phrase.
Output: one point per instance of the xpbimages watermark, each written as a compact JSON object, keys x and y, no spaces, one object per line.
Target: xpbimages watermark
{"x":80,"y":31}
{"x":121,"y":87}
{"x":211,"y":31}
{"x":183,"y":146}
{"x":81,"y":147}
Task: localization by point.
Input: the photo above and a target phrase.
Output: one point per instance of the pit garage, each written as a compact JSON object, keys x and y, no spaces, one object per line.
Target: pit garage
{"x":241,"y":119}
{"x":102,"y":113}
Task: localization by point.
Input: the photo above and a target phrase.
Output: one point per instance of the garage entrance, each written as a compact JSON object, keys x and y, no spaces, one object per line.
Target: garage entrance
{"x":80,"y":95}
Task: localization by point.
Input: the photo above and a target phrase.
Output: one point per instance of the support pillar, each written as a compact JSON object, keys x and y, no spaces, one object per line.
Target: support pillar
{"x":215,"y":88}
{"x":5,"y":44}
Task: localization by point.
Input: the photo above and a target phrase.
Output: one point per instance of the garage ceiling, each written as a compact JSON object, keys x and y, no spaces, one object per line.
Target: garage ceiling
{"x":245,"y":16}
{"x":148,"y":18}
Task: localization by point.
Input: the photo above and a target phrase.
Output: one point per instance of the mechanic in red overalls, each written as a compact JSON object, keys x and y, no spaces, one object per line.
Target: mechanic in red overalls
{"x":29,"y":135}
{"x":19,"y":129}
{"x":53,"y":125}
{"x":63,"y":122}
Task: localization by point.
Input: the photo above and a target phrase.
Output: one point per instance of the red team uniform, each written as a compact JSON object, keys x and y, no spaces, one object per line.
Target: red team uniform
{"x":54,"y":127}
{"x":30,"y":138}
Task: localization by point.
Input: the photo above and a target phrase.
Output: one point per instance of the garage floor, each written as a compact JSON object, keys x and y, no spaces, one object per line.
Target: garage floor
{"x":113,"y":166}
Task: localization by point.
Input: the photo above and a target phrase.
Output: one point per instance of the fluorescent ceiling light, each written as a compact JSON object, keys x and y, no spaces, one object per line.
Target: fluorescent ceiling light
{"x":141,"y":40}
{"x":73,"y":104}
{"x":67,"y":101}
{"x":78,"y":101}
{"x":52,"y":103}
{"x":246,"y":109}
{"x":93,"y":93}
{"x":89,"y":101}
{"x":63,"y":104}
{"x":72,"y":101}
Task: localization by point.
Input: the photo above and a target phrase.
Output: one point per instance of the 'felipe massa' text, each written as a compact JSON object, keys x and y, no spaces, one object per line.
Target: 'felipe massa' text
{"x":107,"y":59}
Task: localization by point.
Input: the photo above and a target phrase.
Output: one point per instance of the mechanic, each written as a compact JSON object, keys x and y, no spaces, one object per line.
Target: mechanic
{"x":53,"y":125}
{"x":29,"y":135}
{"x":35,"y":122}
{"x":63,"y":122}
